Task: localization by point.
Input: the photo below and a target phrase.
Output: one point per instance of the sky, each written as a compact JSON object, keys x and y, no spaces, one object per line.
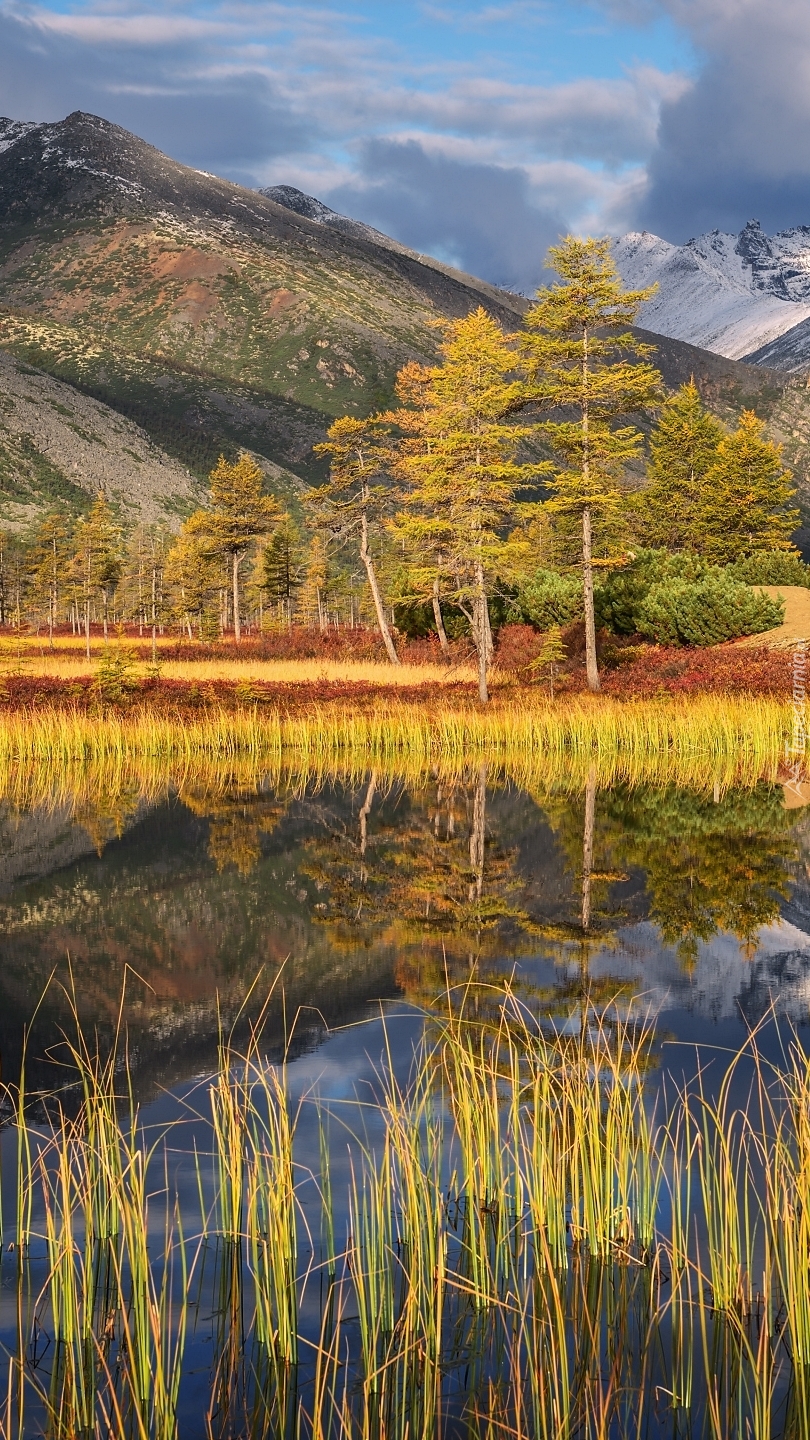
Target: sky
{"x":477,"y":132}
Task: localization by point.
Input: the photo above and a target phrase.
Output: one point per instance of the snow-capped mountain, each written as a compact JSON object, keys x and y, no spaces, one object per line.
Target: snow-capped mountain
{"x":744,"y":296}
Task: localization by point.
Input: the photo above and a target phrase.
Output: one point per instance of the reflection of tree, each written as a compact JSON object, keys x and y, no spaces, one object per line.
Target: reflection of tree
{"x":711,"y":864}
{"x":105,"y":815}
{"x":237,"y":819}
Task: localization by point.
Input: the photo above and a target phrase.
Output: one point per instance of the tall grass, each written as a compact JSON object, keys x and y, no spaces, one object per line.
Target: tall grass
{"x":52,"y":755}
{"x":531,"y":1250}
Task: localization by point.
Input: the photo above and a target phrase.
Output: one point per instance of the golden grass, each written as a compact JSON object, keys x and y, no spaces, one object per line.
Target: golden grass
{"x":703,"y":741}
{"x":268,"y":672}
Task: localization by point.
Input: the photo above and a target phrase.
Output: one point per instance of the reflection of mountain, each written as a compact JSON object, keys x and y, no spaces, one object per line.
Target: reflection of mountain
{"x":349,"y":893}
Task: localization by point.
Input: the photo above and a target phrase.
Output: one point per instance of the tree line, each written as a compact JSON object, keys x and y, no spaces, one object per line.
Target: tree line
{"x":515,"y":458}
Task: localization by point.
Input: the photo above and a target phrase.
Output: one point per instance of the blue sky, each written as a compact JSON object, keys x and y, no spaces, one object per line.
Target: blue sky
{"x":476,"y":130}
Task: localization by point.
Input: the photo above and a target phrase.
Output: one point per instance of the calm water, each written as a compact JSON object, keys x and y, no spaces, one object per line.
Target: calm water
{"x":697,"y":903}
{"x":358,"y":902}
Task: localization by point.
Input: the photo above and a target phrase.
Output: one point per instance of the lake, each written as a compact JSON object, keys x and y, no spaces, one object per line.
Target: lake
{"x":337,"y":912}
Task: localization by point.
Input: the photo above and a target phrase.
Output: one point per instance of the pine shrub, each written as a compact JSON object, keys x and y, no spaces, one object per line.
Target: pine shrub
{"x":771,"y":567}
{"x":707,"y":612}
{"x":547,"y":598}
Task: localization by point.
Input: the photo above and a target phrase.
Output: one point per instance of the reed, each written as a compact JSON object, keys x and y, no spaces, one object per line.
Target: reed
{"x":511,"y":1268}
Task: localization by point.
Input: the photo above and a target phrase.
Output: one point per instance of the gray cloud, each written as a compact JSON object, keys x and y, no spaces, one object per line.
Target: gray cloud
{"x":149,"y":83}
{"x":736,"y":143}
{"x":478,"y":217}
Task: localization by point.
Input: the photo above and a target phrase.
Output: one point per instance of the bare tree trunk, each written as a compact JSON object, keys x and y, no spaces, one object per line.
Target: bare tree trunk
{"x":438,"y":617}
{"x":87,"y":625}
{"x":237,"y":633}
{"x":481,"y":632}
{"x":106,"y":602}
{"x":591,"y":665}
{"x":478,"y":835}
{"x":375,"y":593}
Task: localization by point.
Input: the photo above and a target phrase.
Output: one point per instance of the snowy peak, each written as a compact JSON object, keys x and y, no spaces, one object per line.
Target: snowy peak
{"x":734,"y":294}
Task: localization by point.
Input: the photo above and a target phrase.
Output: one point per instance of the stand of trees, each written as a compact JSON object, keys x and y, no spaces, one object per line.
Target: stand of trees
{"x":508,"y":480}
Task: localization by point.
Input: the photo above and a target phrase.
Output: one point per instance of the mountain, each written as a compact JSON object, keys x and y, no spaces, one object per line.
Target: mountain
{"x":744,"y":296}
{"x":211,"y":317}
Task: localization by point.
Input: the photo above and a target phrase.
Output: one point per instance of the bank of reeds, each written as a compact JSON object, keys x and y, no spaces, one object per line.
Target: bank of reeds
{"x":532,"y":1250}
{"x":694,"y":742}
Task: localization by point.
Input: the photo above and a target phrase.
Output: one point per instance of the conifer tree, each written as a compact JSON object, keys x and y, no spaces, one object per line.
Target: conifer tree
{"x":240,"y":513}
{"x":47,"y":561}
{"x":683,"y":448}
{"x":746,"y":499}
{"x":315,"y":589}
{"x":280,"y":562}
{"x":357,"y":497}
{"x":98,"y":558}
{"x":462,"y":479}
{"x":192,"y":571}
{"x":580,"y":357}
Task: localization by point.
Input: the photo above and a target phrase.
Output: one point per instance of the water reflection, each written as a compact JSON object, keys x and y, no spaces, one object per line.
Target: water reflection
{"x":380,"y":885}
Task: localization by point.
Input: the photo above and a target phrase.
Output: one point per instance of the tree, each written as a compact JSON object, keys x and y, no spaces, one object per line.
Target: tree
{"x":47,"y":563}
{"x":683,"y":448}
{"x":580,"y":357}
{"x":98,"y":559}
{"x":280,"y":563}
{"x":192,"y":571}
{"x":745,"y":504}
{"x":240,"y":513}
{"x":357,"y":496}
{"x":462,"y":479}
{"x":551,"y":655}
{"x":315,"y":589}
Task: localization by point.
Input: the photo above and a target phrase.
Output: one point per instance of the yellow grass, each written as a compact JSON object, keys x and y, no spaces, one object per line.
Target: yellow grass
{"x":270,"y":672}
{"x":701,"y":741}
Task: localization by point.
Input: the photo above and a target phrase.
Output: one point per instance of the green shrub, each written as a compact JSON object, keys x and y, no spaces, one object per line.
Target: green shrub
{"x":771,"y":567}
{"x":621,"y":594}
{"x":715,"y":608}
{"x":547,"y":598}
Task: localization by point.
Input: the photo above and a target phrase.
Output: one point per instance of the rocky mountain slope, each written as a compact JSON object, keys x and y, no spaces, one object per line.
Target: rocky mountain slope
{"x":58,"y":446}
{"x":211,"y":317}
{"x":209,"y":314}
{"x":744,"y":296}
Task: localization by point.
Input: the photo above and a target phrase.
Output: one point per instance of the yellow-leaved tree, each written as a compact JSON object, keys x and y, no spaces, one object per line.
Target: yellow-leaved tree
{"x":585,"y":373}
{"x":357,"y":497}
{"x":240,"y":513}
{"x":461,"y":478}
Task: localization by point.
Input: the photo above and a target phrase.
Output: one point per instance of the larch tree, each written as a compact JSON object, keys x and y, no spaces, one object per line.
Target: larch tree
{"x":585,"y":371}
{"x":461,"y":476}
{"x":192,"y":572}
{"x":240,"y":514}
{"x":98,"y":559}
{"x":48,"y":560}
{"x":683,"y":449}
{"x":746,"y":501}
{"x":281,"y":565}
{"x":357,"y":497}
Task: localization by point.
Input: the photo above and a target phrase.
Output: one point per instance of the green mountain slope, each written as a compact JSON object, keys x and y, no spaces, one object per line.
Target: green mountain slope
{"x":214,"y":317}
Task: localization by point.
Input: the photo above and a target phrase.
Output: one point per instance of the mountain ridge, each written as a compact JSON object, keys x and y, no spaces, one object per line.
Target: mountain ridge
{"x":216,"y":318}
{"x":742,"y":296}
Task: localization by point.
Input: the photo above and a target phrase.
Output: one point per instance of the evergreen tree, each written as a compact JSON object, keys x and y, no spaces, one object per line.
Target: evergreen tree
{"x":458,"y":463}
{"x":580,"y":357}
{"x":746,"y":499}
{"x":357,"y":497}
{"x":683,"y":449}
{"x":98,"y":558}
{"x":280,"y":564}
{"x":240,"y":513}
